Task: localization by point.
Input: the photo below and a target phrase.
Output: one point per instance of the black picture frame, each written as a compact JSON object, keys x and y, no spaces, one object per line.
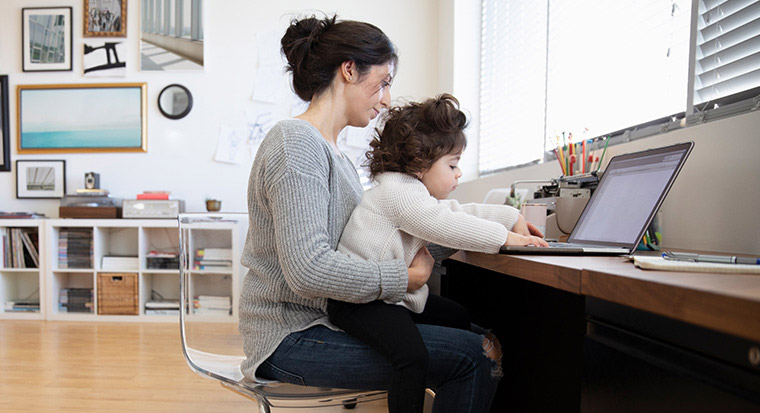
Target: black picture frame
{"x":49,"y":179}
{"x":5,"y":132}
{"x":40,"y":50}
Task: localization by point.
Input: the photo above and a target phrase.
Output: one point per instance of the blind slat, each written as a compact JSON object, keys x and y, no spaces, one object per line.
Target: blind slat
{"x":729,"y":22}
{"x":728,"y":50}
{"x":731,"y":38}
{"x":726,"y":8}
{"x":730,"y":55}
{"x":729,"y":87}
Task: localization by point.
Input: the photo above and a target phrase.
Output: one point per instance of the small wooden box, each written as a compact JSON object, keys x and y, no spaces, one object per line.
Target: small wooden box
{"x":118,"y":294}
{"x":89,"y":212}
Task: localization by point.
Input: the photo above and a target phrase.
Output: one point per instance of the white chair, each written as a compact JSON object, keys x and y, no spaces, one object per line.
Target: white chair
{"x":212,"y":346}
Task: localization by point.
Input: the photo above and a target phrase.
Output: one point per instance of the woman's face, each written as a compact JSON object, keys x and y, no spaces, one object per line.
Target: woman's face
{"x":442,"y":176}
{"x":370,"y":95}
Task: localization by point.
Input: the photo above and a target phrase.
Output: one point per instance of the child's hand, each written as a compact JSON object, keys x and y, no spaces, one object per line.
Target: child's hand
{"x":514,"y":238}
{"x":420,"y":269}
{"x":524,"y":227}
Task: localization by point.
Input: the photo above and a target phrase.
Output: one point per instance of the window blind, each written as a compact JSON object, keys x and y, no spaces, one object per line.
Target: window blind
{"x":512,"y":83}
{"x":728,"y":48}
{"x":612,"y":65}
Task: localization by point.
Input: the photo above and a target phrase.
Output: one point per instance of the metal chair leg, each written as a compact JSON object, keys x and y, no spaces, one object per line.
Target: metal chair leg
{"x":349,"y":404}
{"x":263,"y":407}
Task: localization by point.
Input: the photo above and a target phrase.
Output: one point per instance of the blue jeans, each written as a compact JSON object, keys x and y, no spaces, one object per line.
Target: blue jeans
{"x":459,"y":372}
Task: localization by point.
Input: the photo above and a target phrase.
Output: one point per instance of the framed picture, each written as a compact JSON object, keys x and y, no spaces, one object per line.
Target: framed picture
{"x":92,"y":117}
{"x":5,"y":145}
{"x":46,"y":39}
{"x":40,"y":179}
{"x":105,"y":18}
{"x":171,"y":36}
{"x":101,"y":59}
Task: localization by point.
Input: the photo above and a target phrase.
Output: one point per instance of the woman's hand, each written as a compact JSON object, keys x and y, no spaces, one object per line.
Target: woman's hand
{"x":524,"y":227}
{"x":514,"y":238}
{"x":420,"y":269}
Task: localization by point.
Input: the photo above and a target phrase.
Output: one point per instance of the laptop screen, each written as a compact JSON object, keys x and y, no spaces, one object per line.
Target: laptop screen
{"x":628,"y":196}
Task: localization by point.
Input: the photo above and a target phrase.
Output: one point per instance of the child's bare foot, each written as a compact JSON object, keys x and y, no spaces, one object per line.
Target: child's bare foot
{"x":492,"y":346}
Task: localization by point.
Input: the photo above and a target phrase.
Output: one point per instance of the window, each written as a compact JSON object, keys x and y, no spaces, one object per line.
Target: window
{"x":512,"y":80}
{"x":593,"y":67}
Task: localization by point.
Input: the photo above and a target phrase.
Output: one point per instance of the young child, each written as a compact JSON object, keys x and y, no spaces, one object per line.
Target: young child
{"x":414,"y":161}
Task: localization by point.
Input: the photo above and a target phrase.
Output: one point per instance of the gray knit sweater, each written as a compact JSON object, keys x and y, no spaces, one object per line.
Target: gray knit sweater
{"x":300,"y":196}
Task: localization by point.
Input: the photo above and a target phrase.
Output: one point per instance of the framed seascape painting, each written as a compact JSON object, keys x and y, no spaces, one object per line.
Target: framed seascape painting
{"x":5,"y":148}
{"x":105,"y":18}
{"x":40,"y":178}
{"x":46,"y":39}
{"x":92,"y":117}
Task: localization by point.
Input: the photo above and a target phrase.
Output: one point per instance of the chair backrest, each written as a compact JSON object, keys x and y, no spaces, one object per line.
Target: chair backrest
{"x":210,"y":279}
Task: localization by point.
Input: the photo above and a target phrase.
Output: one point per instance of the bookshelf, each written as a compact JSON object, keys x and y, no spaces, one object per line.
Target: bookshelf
{"x":213,"y":266}
{"x":21,"y":283}
{"x":133,"y":246}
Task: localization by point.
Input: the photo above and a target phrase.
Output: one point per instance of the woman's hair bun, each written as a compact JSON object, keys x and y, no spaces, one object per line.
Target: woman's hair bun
{"x":299,"y":41}
{"x":316,"y":47}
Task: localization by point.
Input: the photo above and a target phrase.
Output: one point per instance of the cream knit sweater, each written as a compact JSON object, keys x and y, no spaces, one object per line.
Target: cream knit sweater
{"x":398,"y":216}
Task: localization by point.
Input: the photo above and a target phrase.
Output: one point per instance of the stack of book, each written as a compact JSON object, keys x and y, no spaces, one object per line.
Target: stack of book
{"x":214,"y":259}
{"x":19,"y":247}
{"x":212,"y":305}
{"x":162,"y":307}
{"x":22,"y":306}
{"x":154,"y":195}
{"x":20,"y":215}
{"x":158,"y":260}
{"x":75,"y":248}
{"x":75,"y":300}
{"x":116,"y":262}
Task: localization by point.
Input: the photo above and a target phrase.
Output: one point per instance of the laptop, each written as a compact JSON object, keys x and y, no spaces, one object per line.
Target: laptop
{"x":623,"y":205}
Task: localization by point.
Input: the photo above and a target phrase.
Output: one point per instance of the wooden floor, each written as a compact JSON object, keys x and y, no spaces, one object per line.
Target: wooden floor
{"x":48,"y":366}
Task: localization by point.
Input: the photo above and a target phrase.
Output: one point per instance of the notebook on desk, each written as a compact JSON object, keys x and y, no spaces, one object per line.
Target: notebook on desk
{"x":623,"y":205}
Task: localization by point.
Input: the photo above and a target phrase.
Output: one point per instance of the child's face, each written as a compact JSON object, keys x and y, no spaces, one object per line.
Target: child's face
{"x":442,"y":177}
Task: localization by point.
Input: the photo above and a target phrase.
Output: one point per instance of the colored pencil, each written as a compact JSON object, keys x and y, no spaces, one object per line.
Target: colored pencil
{"x":606,"y":141}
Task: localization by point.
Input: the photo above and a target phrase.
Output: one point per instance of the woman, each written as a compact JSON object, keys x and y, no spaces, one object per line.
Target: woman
{"x":301,"y":193}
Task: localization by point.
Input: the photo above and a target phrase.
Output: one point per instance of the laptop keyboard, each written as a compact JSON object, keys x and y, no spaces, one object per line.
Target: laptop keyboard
{"x":565,"y":245}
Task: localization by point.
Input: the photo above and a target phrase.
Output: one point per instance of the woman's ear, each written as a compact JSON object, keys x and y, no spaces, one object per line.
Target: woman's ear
{"x":348,"y":70}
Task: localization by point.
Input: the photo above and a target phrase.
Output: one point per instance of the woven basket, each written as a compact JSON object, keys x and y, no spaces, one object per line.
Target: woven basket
{"x":118,"y":294}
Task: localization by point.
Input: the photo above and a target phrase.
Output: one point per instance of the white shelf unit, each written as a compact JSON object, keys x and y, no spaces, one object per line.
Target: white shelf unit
{"x":113,"y":237}
{"x":228,"y":232}
{"x":23,"y":284}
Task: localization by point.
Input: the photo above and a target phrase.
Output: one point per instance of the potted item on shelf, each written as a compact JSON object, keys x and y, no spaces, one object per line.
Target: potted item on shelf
{"x":213,"y":205}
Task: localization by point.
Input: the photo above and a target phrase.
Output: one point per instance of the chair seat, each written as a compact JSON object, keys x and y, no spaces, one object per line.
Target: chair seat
{"x":226,"y":368}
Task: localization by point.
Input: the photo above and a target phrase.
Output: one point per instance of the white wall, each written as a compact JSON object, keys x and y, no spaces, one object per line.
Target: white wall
{"x":180,"y":152}
{"x":713,"y":204}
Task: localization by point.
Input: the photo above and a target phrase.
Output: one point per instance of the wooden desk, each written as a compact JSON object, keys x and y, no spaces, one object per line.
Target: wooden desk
{"x":553,"y":312}
{"x":729,"y":303}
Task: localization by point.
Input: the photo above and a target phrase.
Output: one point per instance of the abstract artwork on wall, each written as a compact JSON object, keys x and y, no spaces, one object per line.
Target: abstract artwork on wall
{"x":104,"y":59}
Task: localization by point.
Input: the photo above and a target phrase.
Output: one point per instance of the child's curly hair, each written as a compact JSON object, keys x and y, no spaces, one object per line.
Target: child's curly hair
{"x":416,"y":135}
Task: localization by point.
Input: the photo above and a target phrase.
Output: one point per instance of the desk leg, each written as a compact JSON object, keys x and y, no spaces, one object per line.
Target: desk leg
{"x":541,"y":330}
